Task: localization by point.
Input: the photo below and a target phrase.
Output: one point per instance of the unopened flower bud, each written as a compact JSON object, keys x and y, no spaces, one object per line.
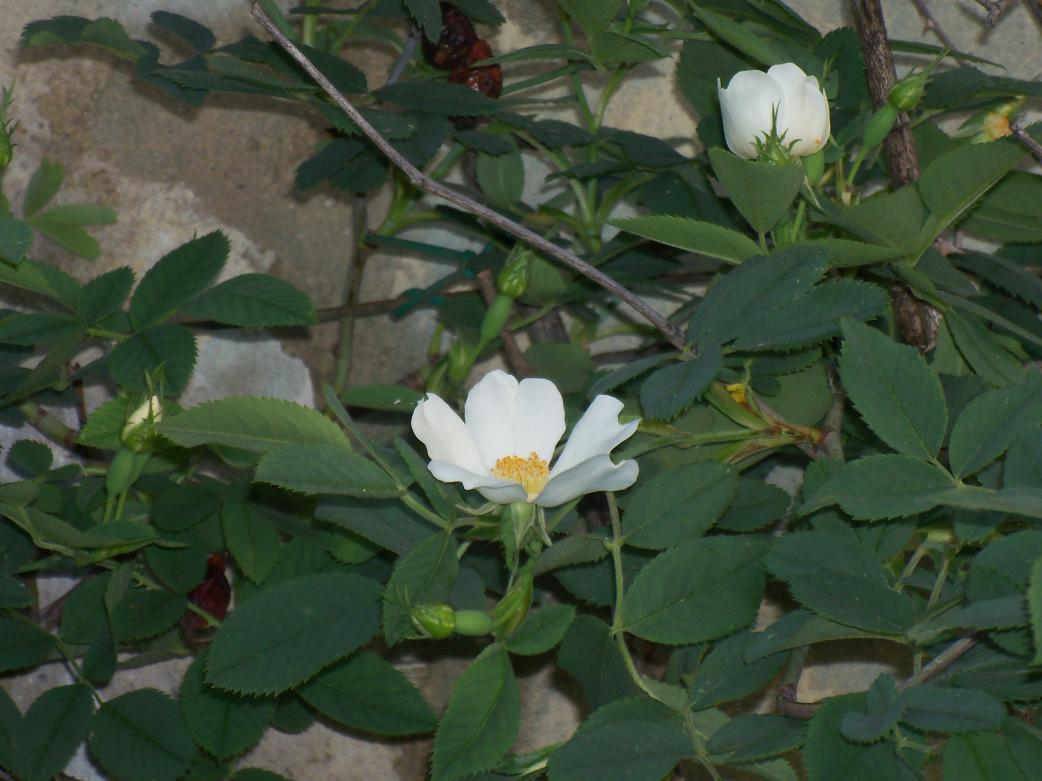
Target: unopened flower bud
{"x":434,"y":621}
{"x":879,"y":126}
{"x":496,"y":317}
{"x":906,"y":94}
{"x":139,"y":429}
{"x":513,"y":279}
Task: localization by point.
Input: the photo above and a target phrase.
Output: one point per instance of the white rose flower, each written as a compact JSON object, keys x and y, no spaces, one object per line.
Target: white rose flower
{"x":505,"y":446}
{"x":751,"y":98}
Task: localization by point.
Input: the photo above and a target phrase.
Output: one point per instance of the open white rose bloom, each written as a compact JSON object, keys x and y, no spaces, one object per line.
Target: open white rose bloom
{"x":750,"y":100}
{"x":505,"y":447}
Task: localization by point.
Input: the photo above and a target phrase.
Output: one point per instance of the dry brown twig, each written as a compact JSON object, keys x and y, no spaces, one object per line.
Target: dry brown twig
{"x":994,"y":9}
{"x":424,"y":182}
{"x":930,"y":24}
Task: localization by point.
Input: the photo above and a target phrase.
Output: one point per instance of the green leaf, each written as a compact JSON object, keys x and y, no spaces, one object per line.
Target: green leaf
{"x":10,"y":720}
{"x":427,"y":15}
{"x":762,"y":192}
{"x":30,"y":457}
{"x":177,"y":278}
{"x":678,"y":504}
{"x":893,"y":389}
{"x":725,"y":675}
{"x":481,"y":11}
{"x":104,"y":295}
{"x":257,"y":774}
{"x":814,"y":316}
{"x":222,"y":723}
{"x":831,"y":573}
{"x":739,"y":37}
{"x":830,"y":756}
{"x":423,"y":576}
{"x":883,"y":709}
{"x":674,"y":388}
{"x":590,"y":655}
{"x":846,"y":253}
{"x":142,"y":614}
{"x":482,"y":718}
{"x":254,"y":424}
{"x":252,"y":300}
{"x":53,"y":727}
{"x":437,"y":97}
{"x":386,"y":523}
{"x":610,"y":47}
{"x":753,"y":736}
{"x":288,"y":632}
{"x":36,"y":328}
{"x":365,"y":692}
{"x":13,"y":593}
{"x":169,"y":346}
{"x":735,"y":301}
{"x":1012,"y":211}
{"x":75,"y":214}
{"x":890,"y":219}
{"x":43,"y":186}
{"x":637,"y":739}
{"x":15,"y":239}
{"x":940,"y":709}
{"x":22,"y":644}
{"x":68,"y":235}
{"x":141,"y":736}
{"x":954,"y":180}
{"x":989,"y":424}
{"x":756,"y":504}
{"x":188,"y":30}
{"x":704,"y":238}
{"x":541,"y":630}
{"x":184,"y":505}
{"x":1035,"y":608}
{"x":883,"y":486}
{"x":319,"y":468}
{"x":979,"y":757}
{"x":982,"y":351}
{"x":592,"y":16}
{"x":104,"y":426}
{"x":501,"y":178}
{"x":697,"y":591}
{"x":385,"y":398}
{"x":252,"y":540}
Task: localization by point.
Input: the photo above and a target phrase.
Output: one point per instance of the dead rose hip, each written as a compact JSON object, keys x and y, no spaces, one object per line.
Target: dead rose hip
{"x":488,"y":79}
{"x":454,"y":44}
{"x":213,"y":595}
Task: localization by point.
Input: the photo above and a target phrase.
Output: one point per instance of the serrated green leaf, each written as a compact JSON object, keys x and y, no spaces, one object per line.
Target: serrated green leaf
{"x":141,"y":736}
{"x":590,"y":654}
{"x":883,"y":709}
{"x":423,"y":576}
{"x":104,"y":295}
{"x":762,"y":192}
{"x":13,"y":593}
{"x":725,"y":675}
{"x":42,"y":187}
{"x":482,"y":718}
{"x":501,"y":178}
{"x":736,"y":300}
{"x":638,"y":739}
{"x":979,"y":757}
{"x":678,"y":504}
{"x":387,"y":523}
{"x":889,"y":219}
{"x":288,"y":632}
{"x":75,"y":214}
{"x":36,"y":328}
{"x":178,"y":277}
{"x":740,"y":37}
{"x":427,"y":14}
{"x":592,"y":15}
{"x":142,"y":614}
{"x":252,"y":300}
{"x":1011,"y":211}
{"x":15,"y":239}
{"x":437,"y":97}
{"x":832,"y":574}
{"x":756,"y":504}
{"x":69,"y":236}
{"x":22,"y":644}
{"x":254,"y":424}
{"x":674,"y":388}
{"x":104,"y":426}
{"x":753,"y":736}
{"x":982,"y":351}
{"x":989,"y":424}
{"x":704,"y":238}
{"x":10,"y":719}
{"x":222,"y":723}
{"x":317,"y":468}
{"x":830,"y":756}
{"x":184,"y":505}
{"x":30,"y":457}
{"x":883,"y":486}
{"x":169,"y":347}
{"x":252,"y":540}
{"x":53,"y":727}
{"x":697,"y":591}
{"x":813,"y":316}
{"x":190,"y":31}
{"x":365,"y":692}
{"x":541,"y":630}
{"x":894,"y":391}
{"x":941,"y":709}
{"x":386,"y":398}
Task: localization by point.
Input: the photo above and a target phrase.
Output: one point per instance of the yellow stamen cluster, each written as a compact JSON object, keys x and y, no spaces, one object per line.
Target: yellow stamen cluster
{"x":737,"y":391}
{"x":532,"y":472}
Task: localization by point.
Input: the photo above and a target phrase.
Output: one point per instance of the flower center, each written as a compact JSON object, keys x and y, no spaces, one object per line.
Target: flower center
{"x":531,"y":472}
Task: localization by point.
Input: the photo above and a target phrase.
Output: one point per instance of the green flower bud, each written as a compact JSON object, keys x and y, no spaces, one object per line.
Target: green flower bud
{"x":6,"y":129}
{"x":906,"y":94}
{"x":513,"y":279}
{"x":496,"y":317}
{"x":879,"y":126}
{"x":473,"y":623}
{"x":461,"y":358}
{"x":434,"y":621}
{"x":814,"y":167}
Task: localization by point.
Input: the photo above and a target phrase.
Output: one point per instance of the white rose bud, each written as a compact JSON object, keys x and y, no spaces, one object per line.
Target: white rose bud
{"x":138,"y":428}
{"x":751,"y":99}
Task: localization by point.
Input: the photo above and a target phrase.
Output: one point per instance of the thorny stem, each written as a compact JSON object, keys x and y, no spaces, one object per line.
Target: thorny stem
{"x":941,"y":662}
{"x":424,"y":182}
{"x":1033,"y":146}
{"x":930,"y":24}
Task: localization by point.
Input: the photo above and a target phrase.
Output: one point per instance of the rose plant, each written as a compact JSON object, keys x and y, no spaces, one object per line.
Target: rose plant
{"x":852,"y":296}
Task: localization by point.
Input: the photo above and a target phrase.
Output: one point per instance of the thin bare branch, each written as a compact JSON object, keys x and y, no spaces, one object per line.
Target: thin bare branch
{"x":1033,"y":146}
{"x":941,"y":662}
{"x":994,"y":9}
{"x":424,"y":182}
{"x":931,"y":25}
